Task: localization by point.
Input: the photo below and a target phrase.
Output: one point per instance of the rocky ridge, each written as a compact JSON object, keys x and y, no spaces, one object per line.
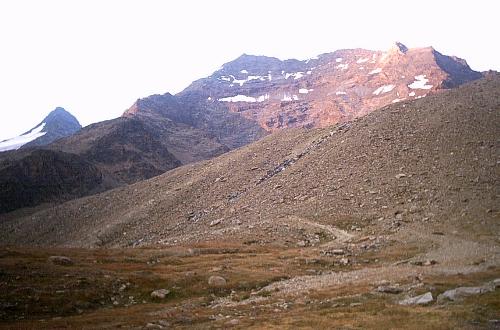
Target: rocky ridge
{"x":334,"y":87}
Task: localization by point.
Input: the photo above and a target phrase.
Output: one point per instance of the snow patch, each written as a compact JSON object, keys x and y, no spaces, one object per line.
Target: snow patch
{"x":244,"y":71}
{"x":244,"y":98}
{"x":305,"y":90}
{"x":240,"y":82}
{"x":261,"y":78}
{"x":383,"y":89}
{"x":289,"y":97}
{"x":420,"y":83}
{"x":299,"y":75}
{"x":249,"y":78}
{"x":340,"y":93}
{"x":342,"y":66}
{"x":411,"y":94}
{"x":338,"y":60}
{"x":295,"y":75}
{"x":225,"y":78}
{"x":309,"y":72}
{"x":209,"y":98}
{"x":19,"y":141}
{"x":397,"y":100}
{"x":362,"y":60}
{"x":263,"y":98}
{"x":377,"y":70}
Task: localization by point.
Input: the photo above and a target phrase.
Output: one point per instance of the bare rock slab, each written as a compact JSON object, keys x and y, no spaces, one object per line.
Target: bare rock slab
{"x":462,"y":292}
{"x":418,"y":300}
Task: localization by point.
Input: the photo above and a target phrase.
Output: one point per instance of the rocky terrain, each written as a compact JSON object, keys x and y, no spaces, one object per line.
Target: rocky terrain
{"x":424,"y":161}
{"x":242,"y":102}
{"x":334,"y":87}
{"x":44,"y":176}
{"x":391,"y":218}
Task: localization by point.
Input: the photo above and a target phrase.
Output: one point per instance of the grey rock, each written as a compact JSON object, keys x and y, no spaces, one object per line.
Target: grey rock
{"x":216,"y":281}
{"x":215,"y":222}
{"x":418,"y":300}
{"x":160,"y":294}
{"x":423,"y":263}
{"x":462,"y":292}
{"x":233,"y":322}
{"x":344,"y":261}
{"x":429,"y":262}
{"x":389,"y":289}
{"x":330,"y":253}
{"x":61,"y":260}
{"x":301,"y":243}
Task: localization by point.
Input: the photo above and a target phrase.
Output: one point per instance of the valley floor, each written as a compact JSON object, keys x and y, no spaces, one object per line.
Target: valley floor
{"x":355,"y":283}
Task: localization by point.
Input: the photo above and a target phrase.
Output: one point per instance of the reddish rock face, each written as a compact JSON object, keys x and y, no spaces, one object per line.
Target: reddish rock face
{"x":333,"y":87}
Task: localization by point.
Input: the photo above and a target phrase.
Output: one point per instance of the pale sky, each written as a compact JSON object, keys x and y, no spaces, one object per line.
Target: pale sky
{"x":96,"y":57}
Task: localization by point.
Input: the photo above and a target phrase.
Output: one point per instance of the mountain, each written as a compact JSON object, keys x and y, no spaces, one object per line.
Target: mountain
{"x":331,"y":88}
{"x":59,"y":123}
{"x":240,"y":103}
{"x":428,"y":162}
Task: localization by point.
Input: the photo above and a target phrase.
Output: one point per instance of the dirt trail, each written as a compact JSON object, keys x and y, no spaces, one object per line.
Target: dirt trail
{"x":338,"y":235}
{"x":453,"y":255}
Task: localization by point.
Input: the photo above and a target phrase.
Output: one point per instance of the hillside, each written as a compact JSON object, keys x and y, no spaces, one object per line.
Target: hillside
{"x":240,"y":103}
{"x":431,"y":161}
{"x":390,"y":219}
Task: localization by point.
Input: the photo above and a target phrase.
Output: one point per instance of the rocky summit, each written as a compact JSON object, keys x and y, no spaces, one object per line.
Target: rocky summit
{"x":331,"y":88}
{"x":59,"y":123}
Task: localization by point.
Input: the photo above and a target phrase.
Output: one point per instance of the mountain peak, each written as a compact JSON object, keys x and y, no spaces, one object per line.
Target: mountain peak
{"x":57,"y":124}
{"x":398,"y":47}
{"x":59,"y":113}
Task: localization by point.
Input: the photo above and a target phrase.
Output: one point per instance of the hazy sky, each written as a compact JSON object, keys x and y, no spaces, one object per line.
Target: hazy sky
{"x":95,"y":58}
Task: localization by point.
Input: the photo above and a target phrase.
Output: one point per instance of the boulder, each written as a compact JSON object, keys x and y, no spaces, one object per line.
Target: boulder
{"x":160,"y":294}
{"x":216,"y":281}
{"x":389,"y":289}
{"x":61,"y":260}
{"x":233,"y":322}
{"x":215,"y":222}
{"x":462,"y":292}
{"x":418,"y":300}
